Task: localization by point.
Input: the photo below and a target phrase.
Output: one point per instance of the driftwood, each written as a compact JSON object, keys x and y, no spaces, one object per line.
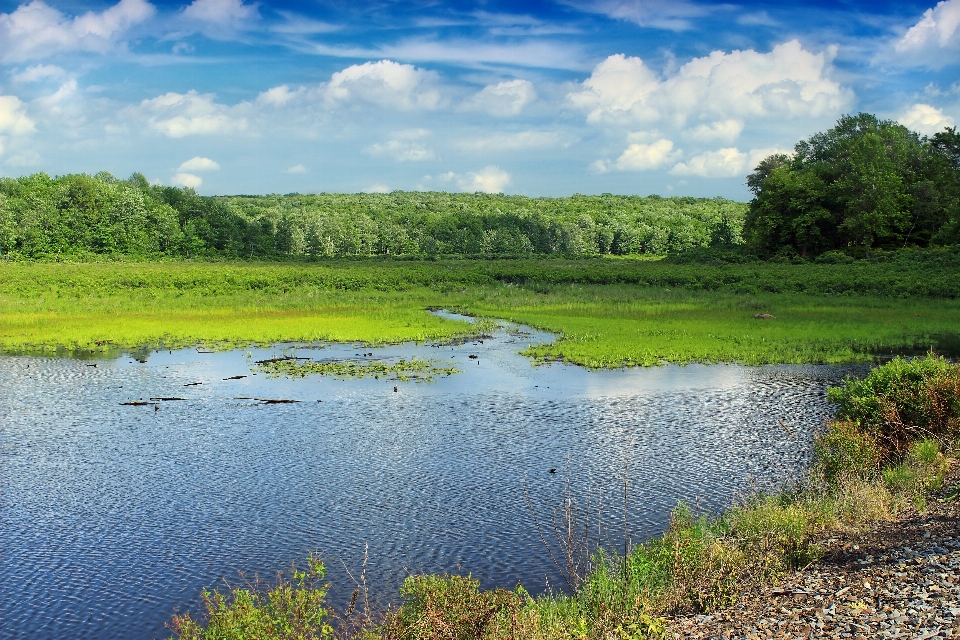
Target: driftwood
{"x":764,"y":316}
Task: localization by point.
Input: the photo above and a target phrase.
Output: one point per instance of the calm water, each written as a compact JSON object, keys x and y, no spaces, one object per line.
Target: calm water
{"x":114,"y":517}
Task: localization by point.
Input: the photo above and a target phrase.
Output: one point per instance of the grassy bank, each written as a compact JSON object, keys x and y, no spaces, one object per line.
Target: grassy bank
{"x":608,"y":312}
{"x":889,"y":446}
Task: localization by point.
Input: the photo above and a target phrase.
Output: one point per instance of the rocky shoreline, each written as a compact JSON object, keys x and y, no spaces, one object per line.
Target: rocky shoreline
{"x":896,"y":579}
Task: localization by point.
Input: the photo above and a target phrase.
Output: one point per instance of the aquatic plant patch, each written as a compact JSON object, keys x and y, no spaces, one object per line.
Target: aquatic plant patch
{"x":401,"y":369}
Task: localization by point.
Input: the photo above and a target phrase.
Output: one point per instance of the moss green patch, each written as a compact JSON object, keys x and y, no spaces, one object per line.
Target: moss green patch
{"x":415,"y":369}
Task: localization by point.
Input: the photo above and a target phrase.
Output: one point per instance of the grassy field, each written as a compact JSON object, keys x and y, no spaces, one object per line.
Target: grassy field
{"x":608,"y":312}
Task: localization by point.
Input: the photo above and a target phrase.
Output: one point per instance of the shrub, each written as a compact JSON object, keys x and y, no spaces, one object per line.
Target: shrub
{"x":292,"y":608}
{"x":902,"y":401}
{"x":843,"y":451}
{"x":450,"y":607}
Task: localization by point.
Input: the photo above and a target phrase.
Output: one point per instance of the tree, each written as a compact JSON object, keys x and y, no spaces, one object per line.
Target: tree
{"x":866,"y":182}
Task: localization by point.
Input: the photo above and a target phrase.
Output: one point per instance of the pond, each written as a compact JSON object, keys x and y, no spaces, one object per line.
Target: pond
{"x":113,"y":516}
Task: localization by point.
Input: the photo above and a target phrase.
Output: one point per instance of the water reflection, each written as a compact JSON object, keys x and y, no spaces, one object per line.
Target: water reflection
{"x":114,"y":516}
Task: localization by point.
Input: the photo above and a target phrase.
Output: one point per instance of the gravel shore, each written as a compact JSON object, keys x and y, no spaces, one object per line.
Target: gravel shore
{"x":898,"y":579}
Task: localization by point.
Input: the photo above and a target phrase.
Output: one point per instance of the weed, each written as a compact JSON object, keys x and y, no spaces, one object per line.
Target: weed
{"x":291,"y":608}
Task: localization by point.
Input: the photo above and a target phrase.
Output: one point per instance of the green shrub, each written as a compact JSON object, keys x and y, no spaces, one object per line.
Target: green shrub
{"x":843,"y":451}
{"x":450,"y":607}
{"x":293,"y":608}
{"x":902,"y":401}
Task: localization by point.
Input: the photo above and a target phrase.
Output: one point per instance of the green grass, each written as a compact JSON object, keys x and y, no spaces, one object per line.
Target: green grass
{"x":608,"y":313}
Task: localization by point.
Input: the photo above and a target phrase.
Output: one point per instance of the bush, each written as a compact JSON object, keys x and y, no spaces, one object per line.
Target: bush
{"x":450,"y":607}
{"x":903,"y":401}
{"x":293,"y":608}
{"x":844,"y":452}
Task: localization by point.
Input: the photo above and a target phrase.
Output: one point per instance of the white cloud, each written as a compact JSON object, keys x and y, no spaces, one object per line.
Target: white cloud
{"x":675,"y":15}
{"x":199,"y":164}
{"x":401,"y":151}
{"x":39,"y":72}
{"x":279,"y":96}
{"x":507,"y":98}
{"x":514,"y":141}
{"x":490,"y":179}
{"x":641,"y":157}
{"x":28,"y":158}
{"x":935,"y":30}
{"x":925,"y":119}
{"x":176,"y":115}
{"x":13,"y":117}
{"x":722,"y":163}
{"x":221,"y":12}
{"x":723,"y":130}
{"x":377,"y":188}
{"x":38,"y":30}
{"x":187,"y":180}
{"x":386,"y":84}
{"x":403,"y":146}
{"x":297,"y":168}
{"x":788,"y":82}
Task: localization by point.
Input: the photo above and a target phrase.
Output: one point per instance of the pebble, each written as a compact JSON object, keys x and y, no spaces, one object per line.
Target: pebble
{"x":902,"y":580}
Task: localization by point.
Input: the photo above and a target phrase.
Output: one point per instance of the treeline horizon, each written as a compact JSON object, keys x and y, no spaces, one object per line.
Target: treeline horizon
{"x":862,"y":186}
{"x":82,"y":214}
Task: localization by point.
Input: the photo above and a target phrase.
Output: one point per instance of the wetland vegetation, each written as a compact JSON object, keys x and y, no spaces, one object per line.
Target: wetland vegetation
{"x":607,"y":312}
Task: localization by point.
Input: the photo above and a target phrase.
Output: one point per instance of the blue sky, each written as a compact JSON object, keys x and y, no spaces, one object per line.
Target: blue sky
{"x":675,"y":97}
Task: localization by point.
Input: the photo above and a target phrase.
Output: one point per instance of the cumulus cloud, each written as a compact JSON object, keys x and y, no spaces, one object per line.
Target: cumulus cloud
{"x":38,"y":30}
{"x":386,"y":84}
{"x":39,"y":72}
{"x":377,"y":188}
{"x":221,"y":12}
{"x":641,"y":157}
{"x":297,"y":168}
{"x":176,"y":115}
{"x":787,"y":82}
{"x":925,"y":119}
{"x":279,"y":96}
{"x":403,"y":146}
{"x":13,"y":117}
{"x":187,"y":180}
{"x":937,"y":29}
{"x":490,"y":179}
{"x":507,"y":98}
{"x":199,"y":164}
{"x":722,"y":163}
{"x":514,"y":141}
{"x":723,"y":130}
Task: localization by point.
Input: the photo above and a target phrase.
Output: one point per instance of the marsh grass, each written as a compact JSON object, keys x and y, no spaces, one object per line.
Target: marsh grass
{"x":607,"y":313}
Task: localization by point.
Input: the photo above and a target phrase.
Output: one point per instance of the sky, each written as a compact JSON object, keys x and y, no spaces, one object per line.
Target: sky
{"x":541,"y":98}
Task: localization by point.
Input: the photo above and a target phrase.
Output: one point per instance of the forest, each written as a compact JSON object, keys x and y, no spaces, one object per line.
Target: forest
{"x":82,"y":215}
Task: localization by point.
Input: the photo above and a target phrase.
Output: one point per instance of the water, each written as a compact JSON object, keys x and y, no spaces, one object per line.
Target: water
{"x":113,"y":517}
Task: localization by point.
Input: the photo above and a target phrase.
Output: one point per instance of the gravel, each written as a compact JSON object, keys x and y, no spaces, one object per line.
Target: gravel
{"x":897,"y":579}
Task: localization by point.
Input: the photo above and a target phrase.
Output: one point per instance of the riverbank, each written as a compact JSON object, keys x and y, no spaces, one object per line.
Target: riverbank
{"x":894,"y":579}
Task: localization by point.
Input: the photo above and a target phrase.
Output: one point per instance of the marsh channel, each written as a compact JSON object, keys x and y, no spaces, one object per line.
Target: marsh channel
{"x":119,"y":504}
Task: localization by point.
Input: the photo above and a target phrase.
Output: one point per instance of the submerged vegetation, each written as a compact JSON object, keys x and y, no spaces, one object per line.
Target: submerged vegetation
{"x":416,"y":369}
{"x":701,"y":563}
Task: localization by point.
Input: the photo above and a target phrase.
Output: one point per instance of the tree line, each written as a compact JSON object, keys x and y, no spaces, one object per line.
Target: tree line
{"x":80,"y":214}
